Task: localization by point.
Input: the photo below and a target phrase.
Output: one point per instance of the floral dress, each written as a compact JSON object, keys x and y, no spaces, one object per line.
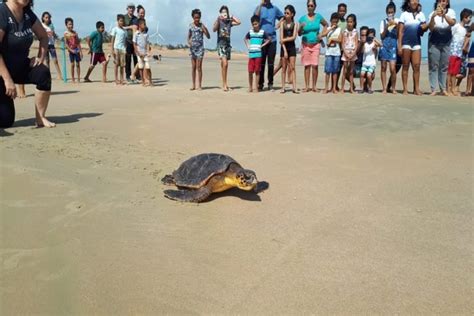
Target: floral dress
{"x":197,"y":41}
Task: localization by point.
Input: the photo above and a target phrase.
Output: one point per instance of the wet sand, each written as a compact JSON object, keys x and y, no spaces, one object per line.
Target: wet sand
{"x":369,"y":208}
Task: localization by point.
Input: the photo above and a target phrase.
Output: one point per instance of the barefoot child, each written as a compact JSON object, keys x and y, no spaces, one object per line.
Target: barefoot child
{"x":196,"y":33}
{"x":333,"y":53}
{"x":470,"y":66}
{"x":369,"y":63}
{"x":223,"y":26}
{"x":350,"y":42}
{"x":73,"y":45}
{"x":388,"y":52}
{"x":95,"y":42}
{"x":288,"y":34}
{"x":255,"y":40}
{"x":455,"y":59}
{"x":119,"y":49}
{"x":141,"y":46}
{"x":49,"y":28}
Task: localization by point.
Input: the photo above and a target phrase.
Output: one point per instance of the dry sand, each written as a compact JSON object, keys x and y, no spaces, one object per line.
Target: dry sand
{"x":369,"y":210}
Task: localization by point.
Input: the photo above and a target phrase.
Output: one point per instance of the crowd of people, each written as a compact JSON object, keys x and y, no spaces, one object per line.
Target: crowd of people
{"x":350,"y":51}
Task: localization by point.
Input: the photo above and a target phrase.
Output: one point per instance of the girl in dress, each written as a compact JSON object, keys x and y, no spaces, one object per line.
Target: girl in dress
{"x":196,"y":33}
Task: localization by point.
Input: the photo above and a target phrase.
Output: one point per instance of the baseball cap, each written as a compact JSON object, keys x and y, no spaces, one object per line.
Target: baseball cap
{"x":130,"y":5}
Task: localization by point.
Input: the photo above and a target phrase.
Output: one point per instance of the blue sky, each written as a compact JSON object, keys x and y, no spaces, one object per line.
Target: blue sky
{"x":174,"y":16}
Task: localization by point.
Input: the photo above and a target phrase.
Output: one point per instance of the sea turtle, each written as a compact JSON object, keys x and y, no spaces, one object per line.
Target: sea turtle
{"x":200,"y":176}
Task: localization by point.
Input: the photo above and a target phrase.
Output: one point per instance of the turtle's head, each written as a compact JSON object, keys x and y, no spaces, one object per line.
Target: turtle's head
{"x":246,"y":180}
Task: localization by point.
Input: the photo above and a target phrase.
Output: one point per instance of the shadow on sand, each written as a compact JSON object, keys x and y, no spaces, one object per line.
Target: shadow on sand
{"x":252,"y":196}
{"x":74,"y":118}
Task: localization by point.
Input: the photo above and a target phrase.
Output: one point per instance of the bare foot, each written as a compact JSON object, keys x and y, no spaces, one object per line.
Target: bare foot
{"x":250,"y":90}
{"x":192,"y":89}
{"x":455,"y":93}
{"x":283,"y":91}
{"x":43,"y":122}
{"x":87,"y":80}
{"x":394,"y":92}
{"x":334,"y":91}
{"x":444,"y":93}
{"x":325,"y":91}
{"x":384,"y":91}
{"x":433,"y":93}
{"x":306,"y":90}
{"x":352,"y":91}
{"x":316,"y":90}
{"x":199,"y":89}
{"x":418,"y":93}
{"x":405,"y":92}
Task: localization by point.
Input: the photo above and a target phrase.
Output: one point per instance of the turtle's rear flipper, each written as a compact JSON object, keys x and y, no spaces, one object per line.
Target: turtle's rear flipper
{"x":195,"y":196}
{"x":168,"y":180}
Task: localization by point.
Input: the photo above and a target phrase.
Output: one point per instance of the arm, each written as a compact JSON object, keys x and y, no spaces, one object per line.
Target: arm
{"x":206,"y":31}
{"x":215,"y":27}
{"x":79,"y":45}
{"x":189,"y":38}
{"x":112,"y":45}
{"x":325,"y":28}
{"x":236,"y":21}
{"x":267,"y":41}
{"x":43,"y":39}
{"x":88,"y":40}
{"x":383,"y":29}
{"x":259,"y":8}
{"x":10,"y":88}
{"x":377,"y":43}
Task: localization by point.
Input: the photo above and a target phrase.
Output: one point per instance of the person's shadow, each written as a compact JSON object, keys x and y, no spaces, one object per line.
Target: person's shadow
{"x":4,"y":133}
{"x":67,"y":119}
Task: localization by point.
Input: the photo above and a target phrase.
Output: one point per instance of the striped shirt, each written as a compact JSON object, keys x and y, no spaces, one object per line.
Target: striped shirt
{"x":256,"y":40}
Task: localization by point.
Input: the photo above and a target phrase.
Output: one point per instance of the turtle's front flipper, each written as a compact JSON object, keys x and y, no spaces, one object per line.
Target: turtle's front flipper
{"x":195,"y":196}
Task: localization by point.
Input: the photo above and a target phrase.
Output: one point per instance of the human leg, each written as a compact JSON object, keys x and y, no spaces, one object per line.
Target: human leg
{"x":383,"y":76}
{"x":443,"y":67}
{"x":434,"y":57}
{"x":416,"y":64}
{"x":393,"y":76}
{"x":261,"y":80}
{"x":193,"y":72}
{"x":224,"y":70}
{"x":284,"y":63}
{"x":307,"y":73}
{"x":293,"y":72}
{"x":199,"y":73}
{"x":271,"y":62}
{"x":406,"y":58}
{"x":314,"y":69}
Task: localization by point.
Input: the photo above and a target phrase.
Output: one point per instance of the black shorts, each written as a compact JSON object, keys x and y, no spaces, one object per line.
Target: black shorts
{"x":21,"y":73}
{"x":290,"y":48}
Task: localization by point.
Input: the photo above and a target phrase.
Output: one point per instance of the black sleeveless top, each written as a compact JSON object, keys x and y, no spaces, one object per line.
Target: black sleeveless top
{"x":288,"y":30}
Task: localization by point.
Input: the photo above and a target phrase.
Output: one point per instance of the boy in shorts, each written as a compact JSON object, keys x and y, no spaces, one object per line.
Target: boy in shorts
{"x":456,"y":50}
{"x":255,"y":40}
{"x":95,"y":42}
{"x":119,"y":49}
{"x":332,"y":64}
{"x":141,"y":46}
{"x":73,"y":45}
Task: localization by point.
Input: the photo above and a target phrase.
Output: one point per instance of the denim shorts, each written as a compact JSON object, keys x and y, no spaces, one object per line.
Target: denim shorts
{"x":332,"y":64}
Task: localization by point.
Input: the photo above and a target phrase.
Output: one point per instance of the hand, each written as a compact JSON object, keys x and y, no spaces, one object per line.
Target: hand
{"x":302,"y":25}
{"x":400,"y":51}
{"x":10,"y":89}
{"x":36,"y":62}
{"x":263,"y":2}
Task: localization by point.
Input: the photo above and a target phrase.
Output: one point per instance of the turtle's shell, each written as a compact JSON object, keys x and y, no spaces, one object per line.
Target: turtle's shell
{"x":196,"y":171}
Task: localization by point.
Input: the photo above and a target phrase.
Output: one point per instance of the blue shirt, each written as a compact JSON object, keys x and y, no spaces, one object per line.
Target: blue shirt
{"x":412,"y":29}
{"x":269,"y":15}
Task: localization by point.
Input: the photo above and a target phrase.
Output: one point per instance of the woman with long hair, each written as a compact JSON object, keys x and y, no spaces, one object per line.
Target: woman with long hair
{"x":18,"y":23}
{"x":288,"y":34}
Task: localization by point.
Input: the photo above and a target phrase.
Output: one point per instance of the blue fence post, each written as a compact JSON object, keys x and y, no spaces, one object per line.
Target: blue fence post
{"x":63,"y":48}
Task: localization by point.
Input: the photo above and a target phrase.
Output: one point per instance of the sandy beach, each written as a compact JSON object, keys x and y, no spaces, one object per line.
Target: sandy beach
{"x":369,"y":209}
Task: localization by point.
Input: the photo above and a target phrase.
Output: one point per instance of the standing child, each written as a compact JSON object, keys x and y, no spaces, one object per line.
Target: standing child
{"x":95,"y":42}
{"x":350,"y":43}
{"x":141,"y":46}
{"x":73,"y":45}
{"x":196,"y":33}
{"x":49,"y":28}
{"x":223,"y":26}
{"x":455,"y":59}
{"x":369,"y":61}
{"x":333,"y":53}
{"x":119,"y":49}
{"x":255,"y":40}
{"x":388,"y":52}
{"x":288,"y":34}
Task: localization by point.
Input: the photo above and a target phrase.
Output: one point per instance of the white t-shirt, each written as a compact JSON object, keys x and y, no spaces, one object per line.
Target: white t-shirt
{"x":459,"y":33}
{"x":50,"y":31}
{"x":335,"y":49}
{"x":369,"y":55}
{"x":441,"y":22}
